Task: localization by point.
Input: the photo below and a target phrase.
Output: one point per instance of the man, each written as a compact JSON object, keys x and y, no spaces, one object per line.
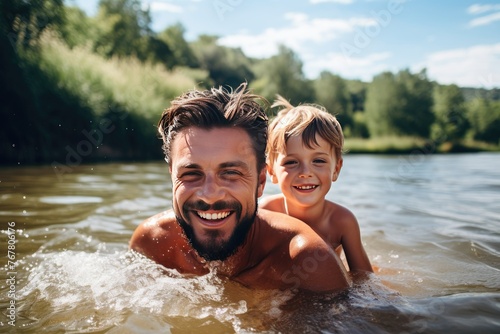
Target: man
{"x":214,"y":142}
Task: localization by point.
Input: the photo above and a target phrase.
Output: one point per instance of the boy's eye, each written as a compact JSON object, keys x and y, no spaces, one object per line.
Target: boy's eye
{"x":289,"y":163}
{"x":319,"y":161}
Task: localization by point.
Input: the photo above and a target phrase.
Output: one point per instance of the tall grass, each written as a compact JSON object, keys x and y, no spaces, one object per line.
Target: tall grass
{"x":383,"y":144}
{"x":75,"y":91}
{"x":138,"y":88}
{"x":396,"y":145}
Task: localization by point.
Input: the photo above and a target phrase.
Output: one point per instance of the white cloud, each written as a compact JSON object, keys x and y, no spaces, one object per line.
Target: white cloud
{"x":478,"y":9}
{"x":162,"y":6}
{"x":343,"y":2}
{"x":484,"y":20}
{"x":363,"y":68}
{"x":296,"y":35}
{"x":476,"y":66}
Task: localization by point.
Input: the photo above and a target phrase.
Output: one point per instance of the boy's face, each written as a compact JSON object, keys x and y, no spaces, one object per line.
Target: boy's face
{"x":305,"y":175}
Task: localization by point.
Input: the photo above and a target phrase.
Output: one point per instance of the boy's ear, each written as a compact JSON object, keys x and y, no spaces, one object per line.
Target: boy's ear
{"x":274,"y":179}
{"x":338,"y":167}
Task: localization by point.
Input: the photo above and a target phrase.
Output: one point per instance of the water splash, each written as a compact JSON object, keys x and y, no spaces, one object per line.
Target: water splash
{"x":87,"y":292}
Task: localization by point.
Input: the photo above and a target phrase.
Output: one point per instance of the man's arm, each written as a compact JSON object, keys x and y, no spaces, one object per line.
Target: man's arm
{"x":316,"y":267}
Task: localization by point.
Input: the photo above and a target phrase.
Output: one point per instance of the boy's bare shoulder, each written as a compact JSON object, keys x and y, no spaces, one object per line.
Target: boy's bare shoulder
{"x":340,"y":216}
{"x":272,"y":202}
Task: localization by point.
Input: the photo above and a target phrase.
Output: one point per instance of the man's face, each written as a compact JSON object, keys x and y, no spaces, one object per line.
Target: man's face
{"x":215,"y":188}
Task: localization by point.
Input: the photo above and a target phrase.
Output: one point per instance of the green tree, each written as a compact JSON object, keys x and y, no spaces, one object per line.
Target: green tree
{"x":123,"y":29}
{"x":23,"y":22}
{"x":226,"y":66}
{"x":382,"y":98}
{"x":332,"y":93}
{"x":23,"y":137}
{"x":182,"y":54}
{"x":357,"y":90}
{"x":282,"y":74}
{"x":77,"y":29}
{"x":450,"y":114}
{"x":399,"y":104}
{"x":484,"y":118}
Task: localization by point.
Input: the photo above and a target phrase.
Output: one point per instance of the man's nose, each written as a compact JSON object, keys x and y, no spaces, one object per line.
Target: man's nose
{"x":210,"y":191}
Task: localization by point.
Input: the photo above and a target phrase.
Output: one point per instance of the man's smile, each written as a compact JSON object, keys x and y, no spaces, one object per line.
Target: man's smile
{"x":213,"y":219}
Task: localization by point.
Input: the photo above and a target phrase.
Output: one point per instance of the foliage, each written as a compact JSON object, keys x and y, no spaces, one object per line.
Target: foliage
{"x":484,"y":118}
{"x":62,"y":74}
{"x":226,"y":66}
{"x":77,"y":29}
{"x":182,"y":53}
{"x":332,"y":93}
{"x":122,"y":29}
{"x":357,"y":90}
{"x":23,"y":22}
{"x":282,"y":74}
{"x":449,"y":112}
{"x":399,"y":104}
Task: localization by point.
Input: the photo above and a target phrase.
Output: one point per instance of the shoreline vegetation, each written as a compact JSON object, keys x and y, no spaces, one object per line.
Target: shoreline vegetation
{"x":408,"y":145}
{"x":77,"y":89}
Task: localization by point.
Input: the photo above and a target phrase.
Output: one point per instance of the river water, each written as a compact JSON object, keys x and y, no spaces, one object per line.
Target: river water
{"x":430,"y":225}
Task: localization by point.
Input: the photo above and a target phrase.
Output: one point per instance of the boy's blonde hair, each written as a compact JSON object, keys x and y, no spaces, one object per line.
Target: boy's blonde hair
{"x":305,"y":120}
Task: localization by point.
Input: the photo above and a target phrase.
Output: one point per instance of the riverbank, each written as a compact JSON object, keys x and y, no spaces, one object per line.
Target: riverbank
{"x":406,"y":145}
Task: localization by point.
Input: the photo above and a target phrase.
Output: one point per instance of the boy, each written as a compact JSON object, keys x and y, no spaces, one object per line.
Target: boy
{"x":304,"y":156}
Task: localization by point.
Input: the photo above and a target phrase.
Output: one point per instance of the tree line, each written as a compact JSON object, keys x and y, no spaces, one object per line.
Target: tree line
{"x":76,"y":88}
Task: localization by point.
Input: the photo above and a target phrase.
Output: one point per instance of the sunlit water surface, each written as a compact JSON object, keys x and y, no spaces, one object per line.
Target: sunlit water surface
{"x":430,"y":224}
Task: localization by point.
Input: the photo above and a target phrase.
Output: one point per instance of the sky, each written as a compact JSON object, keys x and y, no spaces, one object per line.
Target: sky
{"x":456,"y":41}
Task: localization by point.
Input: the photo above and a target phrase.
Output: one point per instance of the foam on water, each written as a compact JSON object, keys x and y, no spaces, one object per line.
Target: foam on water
{"x":77,"y":291}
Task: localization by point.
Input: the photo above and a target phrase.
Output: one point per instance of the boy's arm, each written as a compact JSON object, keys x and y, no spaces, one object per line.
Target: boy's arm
{"x":355,"y":253}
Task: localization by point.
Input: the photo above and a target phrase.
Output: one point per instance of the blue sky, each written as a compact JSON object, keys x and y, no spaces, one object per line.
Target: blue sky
{"x":457,"y":41}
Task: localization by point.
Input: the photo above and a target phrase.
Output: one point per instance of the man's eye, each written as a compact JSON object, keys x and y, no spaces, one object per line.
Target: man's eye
{"x":190,"y":175}
{"x":231,"y":172}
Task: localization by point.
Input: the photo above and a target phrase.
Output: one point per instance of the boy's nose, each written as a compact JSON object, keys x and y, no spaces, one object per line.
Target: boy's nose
{"x":305,"y":171}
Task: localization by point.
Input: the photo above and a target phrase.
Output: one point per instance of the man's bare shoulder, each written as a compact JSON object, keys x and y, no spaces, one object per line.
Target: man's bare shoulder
{"x":304,"y":248}
{"x":157,"y":227}
{"x":281,"y":227}
{"x":280,"y":221}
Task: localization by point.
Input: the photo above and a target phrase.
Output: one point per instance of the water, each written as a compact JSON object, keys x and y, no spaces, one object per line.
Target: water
{"x":430,"y":224}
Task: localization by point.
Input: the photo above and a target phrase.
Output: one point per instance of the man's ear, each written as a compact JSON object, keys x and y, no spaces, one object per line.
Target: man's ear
{"x":262,"y":182}
{"x":274,"y":179}
{"x":338,"y":167}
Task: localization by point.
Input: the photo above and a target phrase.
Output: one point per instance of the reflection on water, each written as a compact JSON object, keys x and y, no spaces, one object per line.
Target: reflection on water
{"x":430,"y":224}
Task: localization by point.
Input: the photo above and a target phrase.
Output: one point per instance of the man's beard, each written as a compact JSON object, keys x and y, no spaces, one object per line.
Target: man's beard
{"x":215,"y":249}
